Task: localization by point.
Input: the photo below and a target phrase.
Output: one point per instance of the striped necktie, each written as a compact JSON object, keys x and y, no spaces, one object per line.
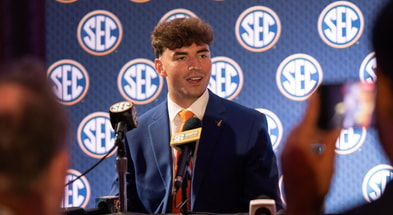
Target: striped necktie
{"x":179,"y":197}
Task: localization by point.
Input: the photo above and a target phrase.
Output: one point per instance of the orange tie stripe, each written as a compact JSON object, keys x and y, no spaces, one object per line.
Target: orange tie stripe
{"x":177,"y":198}
{"x":185,"y":115}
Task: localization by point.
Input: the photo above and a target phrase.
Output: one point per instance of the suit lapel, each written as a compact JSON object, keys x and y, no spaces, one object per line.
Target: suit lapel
{"x":158,"y":131}
{"x":212,"y":127}
{"x":159,"y":135}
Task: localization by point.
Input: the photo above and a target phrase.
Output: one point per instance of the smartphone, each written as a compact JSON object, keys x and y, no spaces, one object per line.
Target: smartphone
{"x":346,"y":105}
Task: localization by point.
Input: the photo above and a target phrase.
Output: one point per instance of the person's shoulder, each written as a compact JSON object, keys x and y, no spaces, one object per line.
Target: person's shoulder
{"x":153,"y":113}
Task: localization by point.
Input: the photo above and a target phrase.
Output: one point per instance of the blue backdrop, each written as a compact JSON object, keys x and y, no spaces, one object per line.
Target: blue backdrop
{"x":270,"y":55}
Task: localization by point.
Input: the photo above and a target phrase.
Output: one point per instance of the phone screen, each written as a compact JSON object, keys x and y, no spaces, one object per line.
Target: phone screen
{"x":346,"y":105}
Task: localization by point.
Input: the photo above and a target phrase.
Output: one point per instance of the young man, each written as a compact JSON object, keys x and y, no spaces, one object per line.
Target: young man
{"x":234,"y":161}
{"x":306,"y":187}
{"x":33,"y":142}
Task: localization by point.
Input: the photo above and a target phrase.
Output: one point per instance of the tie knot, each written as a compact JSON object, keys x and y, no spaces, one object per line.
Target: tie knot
{"x":185,"y":114}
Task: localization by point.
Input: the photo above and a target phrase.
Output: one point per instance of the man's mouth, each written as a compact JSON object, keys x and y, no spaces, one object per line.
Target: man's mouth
{"x":195,"y":79}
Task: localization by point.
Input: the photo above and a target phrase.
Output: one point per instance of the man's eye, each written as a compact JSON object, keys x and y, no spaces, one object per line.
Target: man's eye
{"x":204,"y":56}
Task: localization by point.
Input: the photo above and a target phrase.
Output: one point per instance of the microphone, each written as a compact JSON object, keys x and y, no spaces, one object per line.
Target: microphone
{"x":123,"y":117}
{"x":263,"y":205}
{"x":185,"y":141}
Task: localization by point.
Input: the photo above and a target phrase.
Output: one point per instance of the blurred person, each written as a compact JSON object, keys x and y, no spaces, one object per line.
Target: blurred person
{"x":34,"y":155}
{"x":234,"y":161}
{"x":307,"y":175}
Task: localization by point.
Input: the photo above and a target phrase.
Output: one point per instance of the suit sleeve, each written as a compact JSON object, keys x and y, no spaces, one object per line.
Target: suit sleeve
{"x":262,"y":171}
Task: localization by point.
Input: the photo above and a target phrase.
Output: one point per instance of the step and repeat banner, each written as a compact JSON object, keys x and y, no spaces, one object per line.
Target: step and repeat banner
{"x":270,"y":55}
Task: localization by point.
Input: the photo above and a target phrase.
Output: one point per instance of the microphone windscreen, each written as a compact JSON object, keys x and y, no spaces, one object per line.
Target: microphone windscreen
{"x":123,"y":112}
{"x":191,"y":133}
{"x":192,"y":123}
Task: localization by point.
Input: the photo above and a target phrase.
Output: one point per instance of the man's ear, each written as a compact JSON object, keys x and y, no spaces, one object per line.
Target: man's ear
{"x":160,"y":67}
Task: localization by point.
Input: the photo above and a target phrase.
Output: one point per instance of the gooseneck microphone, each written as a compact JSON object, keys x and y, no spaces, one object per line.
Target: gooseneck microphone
{"x":185,"y":141}
{"x":123,"y":118}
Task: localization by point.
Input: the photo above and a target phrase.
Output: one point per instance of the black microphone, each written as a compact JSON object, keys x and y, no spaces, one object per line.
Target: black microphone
{"x":185,"y":141}
{"x":123,"y":117}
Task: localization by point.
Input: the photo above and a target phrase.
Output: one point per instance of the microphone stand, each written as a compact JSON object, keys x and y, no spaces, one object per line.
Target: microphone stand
{"x":121,"y":166}
{"x":185,"y":197}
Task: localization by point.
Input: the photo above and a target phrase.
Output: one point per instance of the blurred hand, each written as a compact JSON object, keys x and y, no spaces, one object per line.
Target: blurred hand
{"x":308,"y":170}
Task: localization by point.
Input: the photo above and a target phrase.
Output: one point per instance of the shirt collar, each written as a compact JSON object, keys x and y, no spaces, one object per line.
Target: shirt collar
{"x":198,"y":107}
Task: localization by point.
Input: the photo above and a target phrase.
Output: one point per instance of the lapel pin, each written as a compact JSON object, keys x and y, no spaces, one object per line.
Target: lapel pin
{"x":219,"y":123}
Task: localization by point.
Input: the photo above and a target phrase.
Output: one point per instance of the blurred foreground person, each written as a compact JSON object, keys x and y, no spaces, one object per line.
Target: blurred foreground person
{"x":307,"y":175}
{"x":34,"y":154}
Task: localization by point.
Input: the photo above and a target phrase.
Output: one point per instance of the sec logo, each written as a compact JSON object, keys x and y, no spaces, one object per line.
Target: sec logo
{"x":99,"y":32}
{"x":177,"y":13}
{"x":96,"y":135}
{"x":340,"y":24}
{"x":139,"y":82}
{"x":298,"y":76}
{"x":350,"y":140}
{"x":275,"y":127}
{"x":375,"y":181}
{"x":226,"y":78}
{"x":368,"y":69}
{"x":258,"y":29}
{"x":77,"y":193}
{"x":70,"y":81}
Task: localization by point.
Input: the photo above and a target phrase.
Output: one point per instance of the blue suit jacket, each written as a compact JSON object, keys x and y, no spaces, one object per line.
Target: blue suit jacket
{"x":235,"y":161}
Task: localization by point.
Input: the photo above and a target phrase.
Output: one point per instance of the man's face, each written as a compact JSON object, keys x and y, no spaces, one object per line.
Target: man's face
{"x":187,"y":71}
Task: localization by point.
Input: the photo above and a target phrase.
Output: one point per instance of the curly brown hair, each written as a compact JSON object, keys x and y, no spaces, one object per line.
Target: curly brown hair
{"x":180,"y":32}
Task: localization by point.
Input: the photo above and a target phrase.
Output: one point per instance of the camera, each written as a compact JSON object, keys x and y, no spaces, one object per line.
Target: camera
{"x":346,"y":105}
